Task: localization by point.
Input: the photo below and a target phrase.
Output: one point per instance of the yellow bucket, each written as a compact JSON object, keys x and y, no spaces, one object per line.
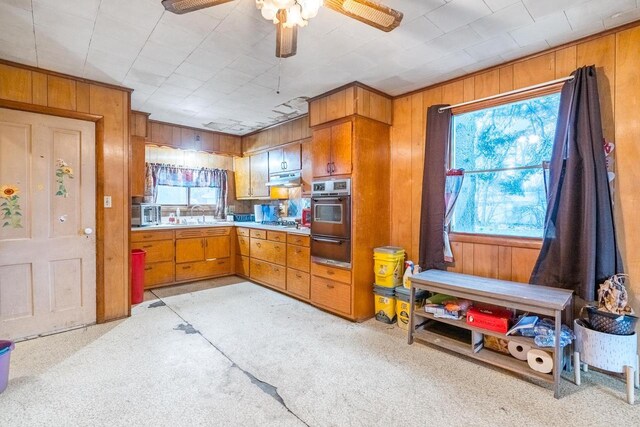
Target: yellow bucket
{"x":403,"y":309}
{"x":388,"y":266}
{"x":385,"y":304}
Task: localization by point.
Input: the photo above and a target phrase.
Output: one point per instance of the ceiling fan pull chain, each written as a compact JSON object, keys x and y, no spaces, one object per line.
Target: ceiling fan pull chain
{"x":279,"y":73}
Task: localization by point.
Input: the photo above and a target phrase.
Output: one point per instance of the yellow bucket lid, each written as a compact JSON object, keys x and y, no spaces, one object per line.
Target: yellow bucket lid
{"x":391,"y":250}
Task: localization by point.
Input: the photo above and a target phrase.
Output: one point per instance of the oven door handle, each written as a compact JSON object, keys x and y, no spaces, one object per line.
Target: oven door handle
{"x":327,"y":199}
{"x":320,"y":239}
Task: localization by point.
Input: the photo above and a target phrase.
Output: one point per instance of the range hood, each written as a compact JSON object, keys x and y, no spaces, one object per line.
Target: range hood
{"x":284,"y":179}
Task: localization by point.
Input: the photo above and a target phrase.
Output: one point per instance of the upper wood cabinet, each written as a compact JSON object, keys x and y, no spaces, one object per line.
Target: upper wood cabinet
{"x":252,"y":175}
{"x":138,"y":122}
{"x":352,"y":99}
{"x":292,"y":131}
{"x":193,"y":139}
{"x":137,"y":166}
{"x":285,"y":159}
{"x":331,"y":150}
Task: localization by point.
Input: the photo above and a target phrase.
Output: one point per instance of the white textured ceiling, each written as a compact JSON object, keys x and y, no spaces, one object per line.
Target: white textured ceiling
{"x":217,"y":66}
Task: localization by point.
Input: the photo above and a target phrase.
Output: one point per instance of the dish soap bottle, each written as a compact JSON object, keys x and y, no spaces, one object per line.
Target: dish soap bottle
{"x":408,"y":272}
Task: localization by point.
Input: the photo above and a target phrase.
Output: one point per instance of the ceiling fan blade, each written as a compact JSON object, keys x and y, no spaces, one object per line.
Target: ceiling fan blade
{"x":184,"y":6}
{"x":286,"y":38}
{"x":378,"y":16}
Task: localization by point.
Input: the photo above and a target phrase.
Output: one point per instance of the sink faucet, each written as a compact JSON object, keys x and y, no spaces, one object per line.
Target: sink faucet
{"x":201,"y":211}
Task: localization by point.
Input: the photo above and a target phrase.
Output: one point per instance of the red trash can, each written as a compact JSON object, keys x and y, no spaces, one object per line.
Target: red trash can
{"x":137,"y":275}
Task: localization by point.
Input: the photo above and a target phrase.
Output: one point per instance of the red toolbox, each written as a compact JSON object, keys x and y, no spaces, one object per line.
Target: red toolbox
{"x":492,"y":318}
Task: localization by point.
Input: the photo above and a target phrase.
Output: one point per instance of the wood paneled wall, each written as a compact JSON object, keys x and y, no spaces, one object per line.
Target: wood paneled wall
{"x":29,"y":89}
{"x":615,"y":55}
{"x":291,"y":131}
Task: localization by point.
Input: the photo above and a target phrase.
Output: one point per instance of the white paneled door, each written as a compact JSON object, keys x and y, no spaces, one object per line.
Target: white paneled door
{"x":47,"y":224}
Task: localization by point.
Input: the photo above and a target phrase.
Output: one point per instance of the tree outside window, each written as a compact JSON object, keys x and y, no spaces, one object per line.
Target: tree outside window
{"x":502,"y":150}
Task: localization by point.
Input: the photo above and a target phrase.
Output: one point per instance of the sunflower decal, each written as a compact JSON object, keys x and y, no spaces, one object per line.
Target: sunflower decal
{"x":10,"y":206}
{"x":63,"y":170}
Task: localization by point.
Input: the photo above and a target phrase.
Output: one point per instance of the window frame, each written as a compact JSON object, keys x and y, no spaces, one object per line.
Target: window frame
{"x":482,"y":104}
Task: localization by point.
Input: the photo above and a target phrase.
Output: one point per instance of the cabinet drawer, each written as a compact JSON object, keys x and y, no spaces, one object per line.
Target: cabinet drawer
{"x":333,"y":295}
{"x":242,"y":265}
{"x":268,"y":273}
{"x":158,"y":273}
{"x":146,"y":236}
{"x":298,"y":257}
{"x":157,"y":250}
{"x":242,"y":248}
{"x":268,"y":251}
{"x":331,"y":273}
{"x":298,"y":283}
{"x":297,"y":239}
{"x":202,"y":232}
{"x":258,"y":234}
{"x":240,"y":231}
{"x":202,"y":269}
{"x":277,"y":236}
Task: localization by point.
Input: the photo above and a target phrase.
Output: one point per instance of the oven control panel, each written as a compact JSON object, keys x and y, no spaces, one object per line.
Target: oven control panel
{"x":333,"y":187}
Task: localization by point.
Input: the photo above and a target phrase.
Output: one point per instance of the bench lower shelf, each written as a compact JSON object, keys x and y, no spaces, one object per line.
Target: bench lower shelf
{"x":487,"y":356}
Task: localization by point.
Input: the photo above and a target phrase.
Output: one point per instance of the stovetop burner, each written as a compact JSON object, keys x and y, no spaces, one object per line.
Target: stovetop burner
{"x":281,"y":223}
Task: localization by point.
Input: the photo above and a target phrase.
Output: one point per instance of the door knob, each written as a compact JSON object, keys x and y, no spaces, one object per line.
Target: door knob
{"x":88,"y":231}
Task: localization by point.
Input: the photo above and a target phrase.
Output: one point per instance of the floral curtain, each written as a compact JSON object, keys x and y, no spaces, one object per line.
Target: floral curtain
{"x":452,"y":185}
{"x":175,"y":176}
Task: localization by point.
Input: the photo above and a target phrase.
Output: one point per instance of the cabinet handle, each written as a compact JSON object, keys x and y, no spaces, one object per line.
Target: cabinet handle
{"x":286,"y":165}
{"x":330,"y":273}
{"x":186,"y":267}
{"x":259,"y":245}
{"x":211,"y":259}
{"x":298,"y":276}
{"x":147,"y":246}
{"x":328,"y":164}
{"x":333,"y":167}
{"x":221,"y":262}
{"x":298,"y":251}
{"x":330,"y":286}
{"x":282,"y":166}
{"x":148,"y":268}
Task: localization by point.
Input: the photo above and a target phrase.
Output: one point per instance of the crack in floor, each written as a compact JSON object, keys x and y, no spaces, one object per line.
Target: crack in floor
{"x":264,"y":386}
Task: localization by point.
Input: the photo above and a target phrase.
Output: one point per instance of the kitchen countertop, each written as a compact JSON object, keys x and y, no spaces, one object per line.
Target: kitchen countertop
{"x":304,"y":231}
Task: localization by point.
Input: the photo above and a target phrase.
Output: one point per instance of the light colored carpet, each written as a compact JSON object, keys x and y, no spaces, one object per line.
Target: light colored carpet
{"x":244,"y":355}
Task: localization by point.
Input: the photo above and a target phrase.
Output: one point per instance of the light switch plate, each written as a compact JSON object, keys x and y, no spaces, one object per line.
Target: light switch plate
{"x":107,"y":201}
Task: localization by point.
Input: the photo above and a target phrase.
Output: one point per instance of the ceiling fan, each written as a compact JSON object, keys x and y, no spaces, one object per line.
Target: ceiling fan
{"x":288,"y":15}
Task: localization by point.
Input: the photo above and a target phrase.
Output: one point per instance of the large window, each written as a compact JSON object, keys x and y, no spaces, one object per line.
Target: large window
{"x":502,"y":150}
{"x":172,"y":195}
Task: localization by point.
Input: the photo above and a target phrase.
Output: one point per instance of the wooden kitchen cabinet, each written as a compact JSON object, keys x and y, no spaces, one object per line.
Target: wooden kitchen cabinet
{"x":159,"y":257}
{"x":307,"y":166}
{"x":252,"y":175}
{"x":137,"y":165}
{"x":298,"y":257}
{"x":267,"y":273}
{"x":298,"y":265}
{"x":202,"y":252}
{"x":331,"y":150}
{"x":285,"y":159}
{"x":269,"y":251}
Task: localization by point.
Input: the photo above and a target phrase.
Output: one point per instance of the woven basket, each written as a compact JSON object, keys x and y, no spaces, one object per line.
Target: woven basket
{"x":611,"y":323}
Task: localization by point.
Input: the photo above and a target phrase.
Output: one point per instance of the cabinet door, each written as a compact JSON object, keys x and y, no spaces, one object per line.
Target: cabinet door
{"x":292,"y":157}
{"x":189,"y":250}
{"x":161,"y":134}
{"x":341,"y":149}
{"x":259,"y":175}
{"x":243,"y":177}
{"x":321,"y":152}
{"x":276,"y":161}
{"x":216,"y":247}
{"x":307,"y":167}
{"x":137,"y":166}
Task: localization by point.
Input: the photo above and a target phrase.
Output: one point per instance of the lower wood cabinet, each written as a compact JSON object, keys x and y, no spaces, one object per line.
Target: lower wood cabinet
{"x":327,"y":293}
{"x":159,"y":257}
{"x":268,"y":251}
{"x":242,"y":266}
{"x":298,"y":283}
{"x":267,"y":273}
{"x":202,"y":269}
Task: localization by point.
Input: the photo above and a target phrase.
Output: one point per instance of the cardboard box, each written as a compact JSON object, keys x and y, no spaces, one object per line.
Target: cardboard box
{"x":493,"y":319}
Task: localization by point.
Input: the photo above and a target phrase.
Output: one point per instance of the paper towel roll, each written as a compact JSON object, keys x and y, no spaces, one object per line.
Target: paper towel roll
{"x":540,"y":361}
{"x":518,"y":350}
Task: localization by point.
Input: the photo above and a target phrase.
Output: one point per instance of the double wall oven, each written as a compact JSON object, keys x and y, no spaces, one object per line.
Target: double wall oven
{"x":331,"y":222}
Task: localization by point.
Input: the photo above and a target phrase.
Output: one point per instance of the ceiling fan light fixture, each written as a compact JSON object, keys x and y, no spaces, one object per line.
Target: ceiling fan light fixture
{"x":184,"y":6}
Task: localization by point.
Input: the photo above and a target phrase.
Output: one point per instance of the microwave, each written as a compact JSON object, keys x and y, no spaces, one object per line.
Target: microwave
{"x":145,"y":214}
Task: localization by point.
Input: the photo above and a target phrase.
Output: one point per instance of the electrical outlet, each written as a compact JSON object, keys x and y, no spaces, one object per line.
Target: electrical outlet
{"x":107,"y":201}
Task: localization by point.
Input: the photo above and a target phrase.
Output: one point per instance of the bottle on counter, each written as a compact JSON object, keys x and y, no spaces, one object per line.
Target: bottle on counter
{"x":172,"y":219}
